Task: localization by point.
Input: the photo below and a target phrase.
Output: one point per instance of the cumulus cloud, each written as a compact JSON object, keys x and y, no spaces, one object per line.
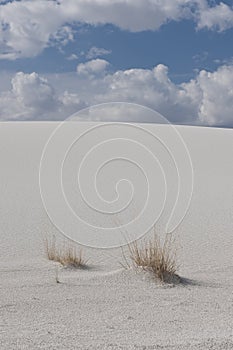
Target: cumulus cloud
{"x":151,"y":88}
{"x":216,"y":104}
{"x":92,"y":67}
{"x":32,"y":97}
{"x":33,"y":92}
{"x":28,"y":27}
{"x":219,"y":17}
{"x":133,"y":15}
{"x":69,"y":104}
{"x":205,"y":100}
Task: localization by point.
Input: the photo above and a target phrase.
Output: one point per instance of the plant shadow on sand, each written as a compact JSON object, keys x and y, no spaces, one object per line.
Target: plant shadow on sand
{"x":186,"y":282}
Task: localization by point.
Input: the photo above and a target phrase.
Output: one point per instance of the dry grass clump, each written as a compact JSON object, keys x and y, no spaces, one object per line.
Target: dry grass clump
{"x":67,"y":255}
{"x":155,"y":256}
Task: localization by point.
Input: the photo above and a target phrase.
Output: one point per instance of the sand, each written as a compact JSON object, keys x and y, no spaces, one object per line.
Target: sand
{"x":107,"y":307}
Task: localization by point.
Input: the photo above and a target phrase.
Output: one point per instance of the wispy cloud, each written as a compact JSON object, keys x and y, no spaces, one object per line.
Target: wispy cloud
{"x":200,"y":57}
{"x":72,"y":57}
{"x":96,"y":52}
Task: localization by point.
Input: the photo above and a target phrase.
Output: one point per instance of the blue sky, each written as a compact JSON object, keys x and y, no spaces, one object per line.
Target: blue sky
{"x":56,"y":59}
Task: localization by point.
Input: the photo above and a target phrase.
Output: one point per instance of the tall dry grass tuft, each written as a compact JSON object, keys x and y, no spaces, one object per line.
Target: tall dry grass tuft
{"x":67,"y":255}
{"x":156,"y":256}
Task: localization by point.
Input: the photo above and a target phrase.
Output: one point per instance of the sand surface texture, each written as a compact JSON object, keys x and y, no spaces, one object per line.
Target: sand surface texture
{"x":107,"y":307}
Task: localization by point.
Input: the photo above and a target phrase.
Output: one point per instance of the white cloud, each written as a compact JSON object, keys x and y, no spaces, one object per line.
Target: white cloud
{"x":133,"y":15}
{"x":72,"y":57}
{"x":70,"y":103}
{"x":33,"y":92}
{"x":205,"y":100}
{"x":216,"y":105}
{"x":152,"y":88}
{"x":219,"y":17}
{"x":95,"y":52}
{"x":63,"y":36}
{"x":32,"y":97}
{"x":28,"y":27}
{"x":92,"y":67}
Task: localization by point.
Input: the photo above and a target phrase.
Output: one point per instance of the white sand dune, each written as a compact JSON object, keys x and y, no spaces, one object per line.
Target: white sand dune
{"x":107,"y":307}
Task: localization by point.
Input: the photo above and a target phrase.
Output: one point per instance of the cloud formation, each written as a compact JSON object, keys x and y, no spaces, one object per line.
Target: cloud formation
{"x":93,"y":67}
{"x":30,"y":96}
{"x":205,"y":100}
{"x":28,"y":27}
{"x":216,"y":102}
{"x":219,"y":17}
{"x":96,"y":52}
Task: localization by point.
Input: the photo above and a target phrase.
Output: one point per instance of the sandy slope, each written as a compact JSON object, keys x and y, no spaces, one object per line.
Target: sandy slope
{"x":107,"y":307}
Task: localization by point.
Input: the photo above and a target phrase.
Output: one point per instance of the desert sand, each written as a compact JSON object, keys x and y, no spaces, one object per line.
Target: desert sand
{"x":105,"y":306}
